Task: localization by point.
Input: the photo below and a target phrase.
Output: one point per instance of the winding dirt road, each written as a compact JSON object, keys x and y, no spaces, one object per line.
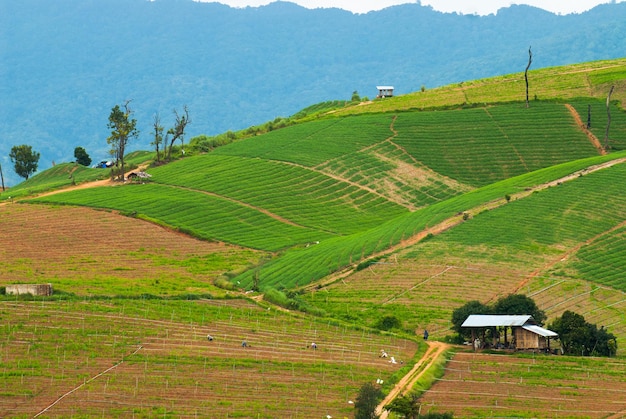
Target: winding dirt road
{"x":434,"y":351}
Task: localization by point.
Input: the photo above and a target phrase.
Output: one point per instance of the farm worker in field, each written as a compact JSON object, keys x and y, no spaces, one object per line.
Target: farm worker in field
{"x":209,"y":337}
{"x":425,"y":334}
{"x":314,"y":345}
{"x":244,"y":344}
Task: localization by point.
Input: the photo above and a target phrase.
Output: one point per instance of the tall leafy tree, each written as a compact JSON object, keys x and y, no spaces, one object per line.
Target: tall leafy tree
{"x":123,"y":129}
{"x":367,"y":401}
{"x":81,"y":156}
{"x":460,"y":315}
{"x":519,"y":304}
{"x":407,"y":406}
{"x":25,"y":160}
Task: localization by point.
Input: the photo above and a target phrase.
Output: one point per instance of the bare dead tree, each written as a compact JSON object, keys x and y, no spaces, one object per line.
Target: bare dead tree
{"x":608,"y":122}
{"x":2,"y":177}
{"x":158,"y":135}
{"x":178,"y":132}
{"x":530,"y":60}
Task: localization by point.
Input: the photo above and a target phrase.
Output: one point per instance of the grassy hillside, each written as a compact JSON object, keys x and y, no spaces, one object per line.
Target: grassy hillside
{"x":588,"y":80}
{"x":407,"y":207}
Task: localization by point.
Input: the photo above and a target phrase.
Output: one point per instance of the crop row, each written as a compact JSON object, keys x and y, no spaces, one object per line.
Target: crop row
{"x":300,"y":195}
{"x":595,"y":112}
{"x":118,"y":255}
{"x":51,"y":347}
{"x":202,"y":215}
{"x":416,"y":292}
{"x":301,"y":266}
{"x":604,"y":307}
{"x":393,"y":173}
{"x":481,"y":146}
{"x":315,"y":142}
{"x":481,"y":385}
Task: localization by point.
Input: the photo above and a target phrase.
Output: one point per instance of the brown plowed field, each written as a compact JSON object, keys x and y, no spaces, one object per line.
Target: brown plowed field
{"x":84,"y":251}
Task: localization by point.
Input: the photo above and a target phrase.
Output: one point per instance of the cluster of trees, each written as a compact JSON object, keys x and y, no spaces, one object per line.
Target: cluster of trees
{"x":578,"y":337}
{"x":26,"y":160}
{"x":123,"y":129}
{"x":177,"y":132}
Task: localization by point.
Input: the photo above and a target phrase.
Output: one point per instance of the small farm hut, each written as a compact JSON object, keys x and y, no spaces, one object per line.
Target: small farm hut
{"x":385,"y":91}
{"x":526,"y":333}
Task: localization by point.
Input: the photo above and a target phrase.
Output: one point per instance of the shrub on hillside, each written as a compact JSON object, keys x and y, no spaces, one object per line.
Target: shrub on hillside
{"x":388,"y":323}
{"x":578,"y":337}
{"x":290,"y":301}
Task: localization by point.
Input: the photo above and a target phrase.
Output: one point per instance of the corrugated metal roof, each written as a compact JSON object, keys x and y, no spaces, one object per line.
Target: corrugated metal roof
{"x":384,"y":87}
{"x":540,"y":330}
{"x":487,"y":320}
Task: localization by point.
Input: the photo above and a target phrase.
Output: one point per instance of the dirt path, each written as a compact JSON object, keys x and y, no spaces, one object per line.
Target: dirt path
{"x":94,"y":183}
{"x":434,"y":351}
{"x":594,"y":140}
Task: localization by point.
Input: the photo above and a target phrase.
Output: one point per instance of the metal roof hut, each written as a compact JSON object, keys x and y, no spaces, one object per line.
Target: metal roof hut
{"x":527,"y":334}
{"x":385,"y":91}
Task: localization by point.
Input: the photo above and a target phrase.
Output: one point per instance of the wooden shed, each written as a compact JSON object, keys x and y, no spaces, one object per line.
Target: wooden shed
{"x":526,"y":333}
{"x":384,"y":91}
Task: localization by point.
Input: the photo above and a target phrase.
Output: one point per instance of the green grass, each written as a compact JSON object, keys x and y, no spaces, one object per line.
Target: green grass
{"x":300,"y":266}
{"x":192,"y":213}
{"x":484,"y":145}
{"x":592,"y":79}
{"x":59,"y":176}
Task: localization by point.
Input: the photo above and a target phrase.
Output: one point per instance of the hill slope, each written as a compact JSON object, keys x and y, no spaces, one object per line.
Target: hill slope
{"x":404,"y":214}
{"x":66,"y":63}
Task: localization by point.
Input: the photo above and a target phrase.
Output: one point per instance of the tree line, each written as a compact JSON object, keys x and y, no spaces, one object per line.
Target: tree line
{"x":123,"y":128}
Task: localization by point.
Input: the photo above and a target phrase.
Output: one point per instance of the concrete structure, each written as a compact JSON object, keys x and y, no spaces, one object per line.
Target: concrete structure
{"x":32,"y":289}
{"x":526,"y":333}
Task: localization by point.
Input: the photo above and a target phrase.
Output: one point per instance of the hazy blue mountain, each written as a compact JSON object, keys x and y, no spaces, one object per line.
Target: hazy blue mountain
{"x":65,"y":63}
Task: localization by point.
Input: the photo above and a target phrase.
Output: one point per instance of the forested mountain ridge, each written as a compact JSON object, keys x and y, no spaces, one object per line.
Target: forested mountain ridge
{"x":65,"y":64}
